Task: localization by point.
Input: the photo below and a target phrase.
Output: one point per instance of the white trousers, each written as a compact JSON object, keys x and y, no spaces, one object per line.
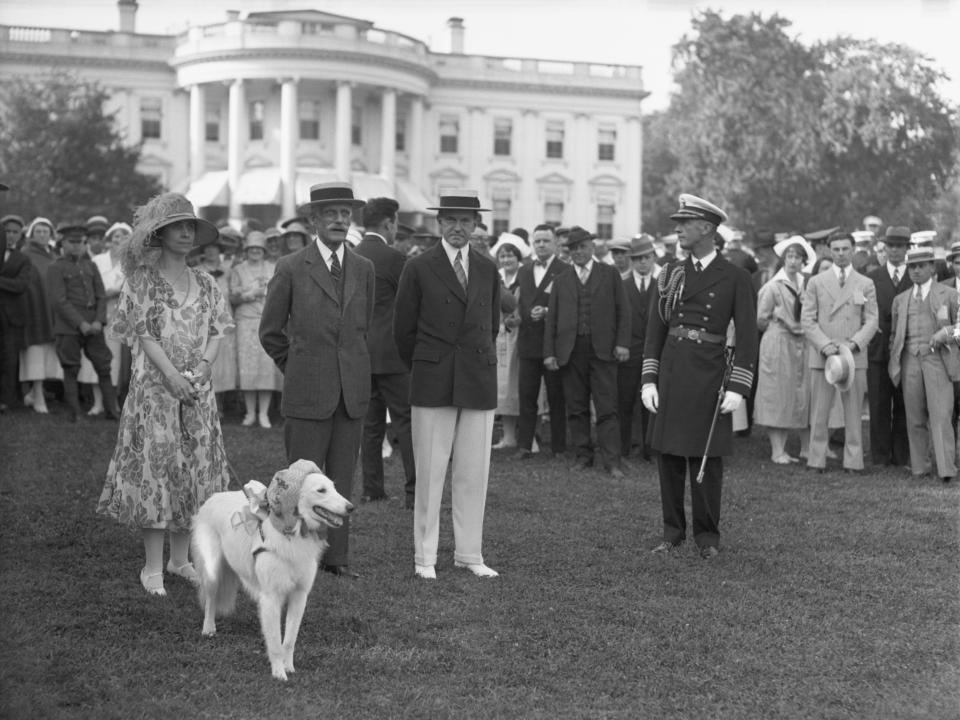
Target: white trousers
{"x":468,"y":435}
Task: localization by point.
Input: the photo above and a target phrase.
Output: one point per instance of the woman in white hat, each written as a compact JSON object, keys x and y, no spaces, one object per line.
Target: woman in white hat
{"x":169,"y":456}
{"x":257,"y":373}
{"x":38,"y":361}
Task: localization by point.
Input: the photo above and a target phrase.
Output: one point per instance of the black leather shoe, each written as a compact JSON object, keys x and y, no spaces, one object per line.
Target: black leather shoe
{"x":708,"y":552}
{"x":665,"y":548}
{"x":339,"y":571}
{"x":523,"y":454}
{"x":947,"y":478}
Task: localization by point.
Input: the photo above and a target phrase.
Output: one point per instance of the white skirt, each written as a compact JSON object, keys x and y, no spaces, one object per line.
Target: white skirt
{"x":40,"y":362}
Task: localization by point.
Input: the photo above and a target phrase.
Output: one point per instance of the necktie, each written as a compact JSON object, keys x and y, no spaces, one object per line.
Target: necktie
{"x":843,"y":278}
{"x":335,"y":269}
{"x":458,"y":269}
{"x":896,"y":277}
{"x":582,"y":272}
{"x":916,"y":295}
{"x":643,"y":284}
{"x":697,"y":266}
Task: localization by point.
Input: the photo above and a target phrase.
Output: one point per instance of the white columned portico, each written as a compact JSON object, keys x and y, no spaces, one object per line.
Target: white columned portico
{"x":415,"y":141}
{"x":633,"y":174}
{"x":531,"y":213}
{"x":236,"y":141}
{"x":289,"y":132}
{"x":580,"y":166}
{"x":388,"y":135}
{"x":477,"y":157}
{"x":342,"y":135}
{"x":198,"y":134}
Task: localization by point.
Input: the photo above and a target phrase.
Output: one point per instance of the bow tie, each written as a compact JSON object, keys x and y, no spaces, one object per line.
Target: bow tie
{"x":541,"y":263}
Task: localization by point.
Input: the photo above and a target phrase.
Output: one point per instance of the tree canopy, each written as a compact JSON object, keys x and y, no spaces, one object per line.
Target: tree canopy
{"x":63,"y":156}
{"x":790,"y":137}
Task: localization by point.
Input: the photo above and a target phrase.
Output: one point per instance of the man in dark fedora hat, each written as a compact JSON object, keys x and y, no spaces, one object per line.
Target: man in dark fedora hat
{"x":446,"y":323}
{"x":888,"y":420}
{"x":587,"y":335}
{"x":316,"y":316}
{"x":685,"y":366}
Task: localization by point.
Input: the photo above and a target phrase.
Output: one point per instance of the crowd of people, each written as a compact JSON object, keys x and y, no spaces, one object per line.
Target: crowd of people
{"x":620,"y":351}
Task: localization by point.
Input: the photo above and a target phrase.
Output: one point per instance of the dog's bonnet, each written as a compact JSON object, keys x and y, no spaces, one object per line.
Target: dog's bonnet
{"x":283,"y":495}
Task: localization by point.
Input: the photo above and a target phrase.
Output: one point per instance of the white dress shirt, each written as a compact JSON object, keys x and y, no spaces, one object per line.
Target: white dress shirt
{"x":326,"y":253}
{"x":540,"y":270}
{"x":452,"y":254}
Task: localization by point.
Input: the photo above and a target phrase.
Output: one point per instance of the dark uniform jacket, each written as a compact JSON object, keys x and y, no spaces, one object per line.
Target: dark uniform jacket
{"x":318,"y":341}
{"x":878,"y":351}
{"x":446,"y":335}
{"x":76,"y":294}
{"x":689,"y":373}
{"x":609,"y":313}
{"x":530,"y":337}
{"x":387,"y":265}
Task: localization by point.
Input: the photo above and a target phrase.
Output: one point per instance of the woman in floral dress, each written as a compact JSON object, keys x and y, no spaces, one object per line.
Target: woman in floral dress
{"x":169,"y":456}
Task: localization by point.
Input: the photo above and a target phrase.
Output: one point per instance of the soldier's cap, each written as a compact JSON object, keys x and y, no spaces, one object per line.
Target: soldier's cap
{"x":897,"y":235}
{"x":97,"y":222}
{"x":578,"y":235}
{"x":923,"y":237}
{"x":695,"y":208}
{"x":70,"y":227}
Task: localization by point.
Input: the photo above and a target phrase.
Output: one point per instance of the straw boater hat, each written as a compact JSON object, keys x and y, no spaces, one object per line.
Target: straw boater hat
{"x":330,"y":193}
{"x":917,"y":255}
{"x":512,"y":240}
{"x":695,"y":208}
{"x":954,"y":251}
{"x":863,"y":237}
{"x":923,"y":238}
{"x":839,"y":370}
{"x":460,"y":200}
{"x":97,"y":222}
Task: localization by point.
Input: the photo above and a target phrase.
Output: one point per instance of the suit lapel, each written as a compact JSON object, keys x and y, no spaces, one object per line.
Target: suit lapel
{"x":697,"y":281}
{"x":440,"y":264}
{"x":351,"y":269}
{"x":320,"y":273}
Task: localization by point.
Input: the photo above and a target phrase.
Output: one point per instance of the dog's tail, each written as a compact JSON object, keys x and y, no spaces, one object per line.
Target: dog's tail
{"x":218,"y":582}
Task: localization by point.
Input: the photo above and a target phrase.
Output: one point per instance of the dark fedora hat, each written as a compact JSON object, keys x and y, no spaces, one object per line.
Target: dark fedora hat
{"x":460,"y":200}
{"x":578,"y":235}
{"x":330,"y":193}
{"x":897,"y":235}
{"x":289,"y":221}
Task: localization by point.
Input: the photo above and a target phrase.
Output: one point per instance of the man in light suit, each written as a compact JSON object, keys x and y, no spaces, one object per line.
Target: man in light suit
{"x":839,"y":308}
{"x":535,"y":282}
{"x":446,"y":323}
{"x":390,"y":381}
{"x":587,"y":335}
{"x":318,"y":310}
{"x":924,"y":359}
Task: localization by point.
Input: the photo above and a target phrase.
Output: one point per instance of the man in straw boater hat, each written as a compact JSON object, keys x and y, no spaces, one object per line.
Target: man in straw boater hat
{"x":446,"y":323}
{"x":839,"y":314}
{"x":315,"y":321}
{"x":924,"y":360}
{"x":686,"y":366}
{"x":888,"y":420}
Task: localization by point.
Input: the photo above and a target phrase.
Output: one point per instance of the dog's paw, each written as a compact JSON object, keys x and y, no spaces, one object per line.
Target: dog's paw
{"x":278,"y":672}
{"x":288,"y":666}
{"x":208,"y":633}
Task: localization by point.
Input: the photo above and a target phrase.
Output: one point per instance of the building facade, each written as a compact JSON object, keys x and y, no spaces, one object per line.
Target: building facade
{"x":246,"y":114}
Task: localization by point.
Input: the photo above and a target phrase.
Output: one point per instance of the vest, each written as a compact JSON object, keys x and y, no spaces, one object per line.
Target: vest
{"x":920,"y":326}
{"x":583,"y":307}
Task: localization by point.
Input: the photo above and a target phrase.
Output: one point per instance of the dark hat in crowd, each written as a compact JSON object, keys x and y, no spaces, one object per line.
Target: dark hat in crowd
{"x":289,"y":221}
{"x":618,"y":245}
{"x":230,"y":235}
{"x":897,"y":235}
{"x":293,"y":228}
{"x":168,"y":209}
{"x":818,"y":237}
{"x":423,"y":233}
{"x":695,"y":208}
{"x":404,"y":230}
{"x":458,"y":200}
{"x":330,"y":193}
{"x":12,"y":218}
{"x":764,"y":239}
{"x":71,"y":227}
{"x":641,"y":245}
{"x":521,"y":232}
{"x":4,"y":187}
{"x":97,"y":222}
{"x":578,"y":235}
{"x":916,"y":255}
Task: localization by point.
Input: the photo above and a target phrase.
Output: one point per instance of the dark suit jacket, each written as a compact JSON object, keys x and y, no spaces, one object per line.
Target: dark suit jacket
{"x":321,"y":350}
{"x":609,"y":314}
{"x":639,"y":311}
{"x":15,"y":275}
{"x":447,"y":335}
{"x":530,"y":335}
{"x":387,"y":265}
{"x":879,"y":349}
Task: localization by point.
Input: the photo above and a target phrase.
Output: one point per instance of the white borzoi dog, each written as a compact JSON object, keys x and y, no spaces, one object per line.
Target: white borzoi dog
{"x":270,"y":541}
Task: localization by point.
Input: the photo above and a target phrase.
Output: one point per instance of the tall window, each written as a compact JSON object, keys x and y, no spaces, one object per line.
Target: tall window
{"x":257,"y":111}
{"x":605,"y":222}
{"x":553,"y":213}
{"x":502,"y":133}
{"x":309,"y":120}
{"x":449,"y":133}
{"x":555,"y":138}
{"x":606,"y":143}
{"x":151,"y":117}
{"x":356,"y":126}
{"x":501,"y":216}
{"x":212,"y":122}
{"x":400,"y":142}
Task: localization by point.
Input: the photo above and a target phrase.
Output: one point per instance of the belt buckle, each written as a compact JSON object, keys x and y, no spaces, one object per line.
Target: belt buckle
{"x":693,"y":334}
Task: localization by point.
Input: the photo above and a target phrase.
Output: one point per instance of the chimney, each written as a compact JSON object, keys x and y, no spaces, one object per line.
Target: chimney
{"x":128,"y":15}
{"x":456,"y":35}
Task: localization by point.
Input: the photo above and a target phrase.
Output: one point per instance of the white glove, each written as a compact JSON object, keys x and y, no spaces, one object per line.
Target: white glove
{"x":731,"y":401}
{"x":650,"y":397}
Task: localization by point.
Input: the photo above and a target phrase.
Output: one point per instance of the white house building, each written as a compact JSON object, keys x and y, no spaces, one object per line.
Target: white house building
{"x":246,"y":114}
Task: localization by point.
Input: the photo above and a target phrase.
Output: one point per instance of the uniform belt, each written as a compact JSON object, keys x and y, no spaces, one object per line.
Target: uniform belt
{"x":696,"y":335}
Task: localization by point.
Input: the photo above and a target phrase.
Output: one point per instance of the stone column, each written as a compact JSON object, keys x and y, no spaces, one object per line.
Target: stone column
{"x":388,"y":135}
{"x":476,"y":152}
{"x":415,"y":149}
{"x":197,"y":131}
{"x":238,"y":130}
{"x":342,"y":140}
{"x":581,"y":144}
{"x":632,"y":211}
{"x":528,"y":147}
{"x":289,"y":135}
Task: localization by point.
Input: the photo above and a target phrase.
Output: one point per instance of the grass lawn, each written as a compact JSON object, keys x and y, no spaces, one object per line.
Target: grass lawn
{"x":835,"y":596}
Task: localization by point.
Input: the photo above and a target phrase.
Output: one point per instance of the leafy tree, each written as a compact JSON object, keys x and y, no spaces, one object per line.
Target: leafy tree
{"x":659,"y":163}
{"x":63,"y":156}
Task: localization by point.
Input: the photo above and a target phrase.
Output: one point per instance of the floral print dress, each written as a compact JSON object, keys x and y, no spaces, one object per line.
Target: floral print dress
{"x":169,"y":456}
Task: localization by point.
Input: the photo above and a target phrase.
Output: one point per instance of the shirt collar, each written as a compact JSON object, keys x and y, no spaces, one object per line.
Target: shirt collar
{"x":925,"y":288}
{"x":902,"y":268}
{"x":705,"y":260}
{"x":378,"y":235}
{"x":588,"y":267}
{"x":545,"y":263}
{"x":326,"y":252}
{"x":452,"y":251}
{"x":847,"y":271}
